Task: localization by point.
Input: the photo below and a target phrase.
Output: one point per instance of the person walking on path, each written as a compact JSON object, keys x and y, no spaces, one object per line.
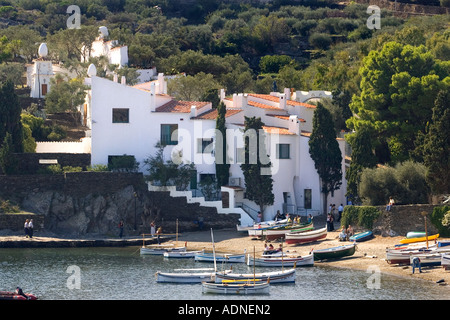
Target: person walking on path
{"x":158,"y":234}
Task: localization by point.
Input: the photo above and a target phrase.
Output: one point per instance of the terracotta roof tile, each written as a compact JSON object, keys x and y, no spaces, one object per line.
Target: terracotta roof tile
{"x":180,"y":106}
{"x":276,"y":99}
{"x":277,"y":130}
{"x":212,"y":114}
{"x":261,"y":105}
{"x":284,"y":117}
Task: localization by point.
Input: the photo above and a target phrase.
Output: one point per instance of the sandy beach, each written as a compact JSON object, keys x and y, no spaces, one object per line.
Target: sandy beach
{"x":368,"y":254}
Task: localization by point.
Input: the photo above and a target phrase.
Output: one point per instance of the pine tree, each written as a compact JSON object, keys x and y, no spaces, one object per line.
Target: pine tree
{"x":324,"y":150}
{"x":222,"y":165}
{"x":436,"y":146}
{"x":258,"y":184}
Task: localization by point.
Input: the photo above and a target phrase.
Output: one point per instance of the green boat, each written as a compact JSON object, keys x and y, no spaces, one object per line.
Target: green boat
{"x":335,"y":252}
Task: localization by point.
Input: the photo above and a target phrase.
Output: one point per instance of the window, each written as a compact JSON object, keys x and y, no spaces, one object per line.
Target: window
{"x":205,"y":145}
{"x":308,"y":198}
{"x":43,"y":89}
{"x":283,"y":151}
{"x":120,"y":116}
{"x":169,"y":135}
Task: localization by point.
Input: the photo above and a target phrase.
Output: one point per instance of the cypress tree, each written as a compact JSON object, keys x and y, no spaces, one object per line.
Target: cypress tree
{"x":222,"y":165}
{"x":258,"y":184}
{"x":10,"y":121}
{"x":324,"y":150}
{"x":436,"y":146}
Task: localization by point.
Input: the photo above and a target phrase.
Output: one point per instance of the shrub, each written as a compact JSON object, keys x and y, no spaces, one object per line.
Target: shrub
{"x":362,"y":216}
{"x":439,"y":218}
{"x":405,"y":183}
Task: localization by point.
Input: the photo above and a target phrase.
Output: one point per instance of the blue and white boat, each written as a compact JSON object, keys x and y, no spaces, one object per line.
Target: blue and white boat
{"x":362,"y":236}
{"x":220,"y":257}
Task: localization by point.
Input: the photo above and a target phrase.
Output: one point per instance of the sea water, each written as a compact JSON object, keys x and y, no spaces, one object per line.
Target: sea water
{"x":123,"y":274}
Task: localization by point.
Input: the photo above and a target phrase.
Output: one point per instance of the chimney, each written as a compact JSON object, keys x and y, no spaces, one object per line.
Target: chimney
{"x":161,"y":84}
{"x":282,"y":101}
{"x":152,"y":97}
{"x":287,"y":93}
{"x":193,"y":111}
{"x":115,"y":78}
{"x":222,"y":94}
{"x":294,"y":124}
{"x":123,"y":80}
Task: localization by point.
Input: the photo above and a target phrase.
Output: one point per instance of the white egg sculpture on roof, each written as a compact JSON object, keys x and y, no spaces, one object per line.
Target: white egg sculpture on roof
{"x":103,"y":32}
{"x":92,"y":70}
{"x":43,"y":50}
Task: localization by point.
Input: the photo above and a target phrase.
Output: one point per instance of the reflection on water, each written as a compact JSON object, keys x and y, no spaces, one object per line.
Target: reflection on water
{"x":122,"y":273}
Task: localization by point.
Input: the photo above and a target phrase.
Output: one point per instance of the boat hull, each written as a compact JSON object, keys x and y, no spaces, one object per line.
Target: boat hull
{"x":306,"y":237}
{"x":181,"y":254}
{"x":335,"y":252}
{"x":300,"y":261}
{"x":274,"y":234}
{"x":228,"y":258}
{"x":160,"y":250}
{"x":236,"y":289}
{"x":427,"y":259}
{"x":420,"y":239}
{"x":363,"y":236}
{"x":445,"y":261}
{"x":8,"y":295}
{"x":284,"y":276}
{"x":415,"y":234}
{"x":168,"y":277}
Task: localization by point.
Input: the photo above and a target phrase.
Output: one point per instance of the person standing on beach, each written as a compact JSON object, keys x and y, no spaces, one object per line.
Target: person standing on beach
{"x":25,"y":228}
{"x":158,"y":234}
{"x":152,"y":228}
{"x":340,"y":210}
{"x":120,"y":228}
{"x":30,"y":228}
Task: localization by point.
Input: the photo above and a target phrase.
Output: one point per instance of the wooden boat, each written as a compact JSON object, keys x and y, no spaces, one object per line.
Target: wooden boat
{"x":9,"y":295}
{"x":445,"y":260}
{"x":362,"y":236}
{"x":420,"y":239}
{"x":263,"y":224}
{"x":259,"y":231}
{"x":235,"y":288}
{"x":282,"y":276}
{"x":224,"y":257}
{"x":158,"y":249}
{"x":415,"y":234}
{"x":305,"y":237}
{"x":279,"y":233}
{"x":427,"y":259}
{"x":187,"y":276}
{"x":180,"y":254}
{"x":290,"y":261}
{"x":335,"y":252}
{"x":402,"y":256}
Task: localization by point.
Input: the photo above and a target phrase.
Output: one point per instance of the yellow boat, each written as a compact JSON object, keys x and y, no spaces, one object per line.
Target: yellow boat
{"x":421,"y":239}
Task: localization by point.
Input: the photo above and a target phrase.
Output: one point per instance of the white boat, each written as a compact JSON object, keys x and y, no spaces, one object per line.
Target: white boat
{"x":305,"y":237}
{"x":263,"y":224}
{"x":445,"y":260}
{"x":221,"y":257}
{"x":289,"y":261}
{"x":160,"y":249}
{"x":187,"y":276}
{"x":427,"y":259}
{"x":283,"y":276}
{"x":180,"y":254}
{"x":236,"y":288}
{"x":402,"y":255}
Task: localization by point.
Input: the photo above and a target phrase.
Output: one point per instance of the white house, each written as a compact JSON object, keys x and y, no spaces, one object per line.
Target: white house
{"x":130,"y":120}
{"x":39,"y":73}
